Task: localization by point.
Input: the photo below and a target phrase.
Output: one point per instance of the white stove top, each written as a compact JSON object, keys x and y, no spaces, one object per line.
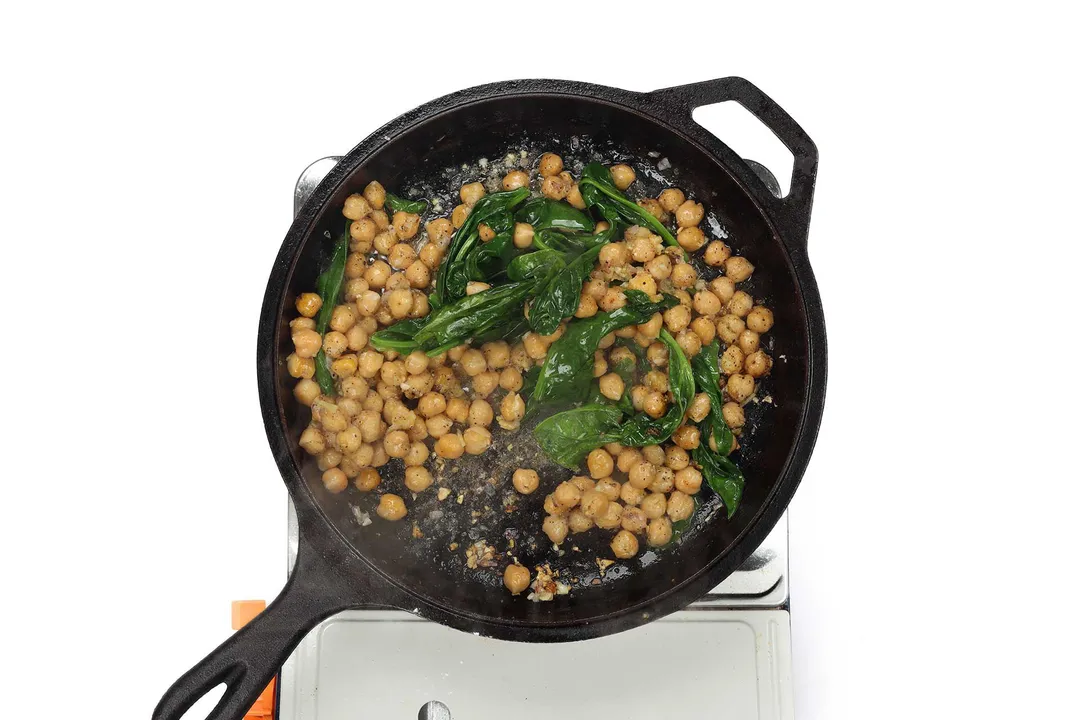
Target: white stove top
{"x":728,"y":655}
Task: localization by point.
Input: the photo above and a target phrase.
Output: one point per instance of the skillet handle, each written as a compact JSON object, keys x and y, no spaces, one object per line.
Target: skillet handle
{"x":248,"y":660}
{"x":793,"y":210}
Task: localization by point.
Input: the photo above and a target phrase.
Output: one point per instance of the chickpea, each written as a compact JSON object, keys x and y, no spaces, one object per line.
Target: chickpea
{"x":600,"y":463}
{"x":624,"y":545}
{"x":706,"y":303}
{"x":480,"y":413}
{"x":333,"y":344}
{"x":740,"y":304}
{"x":431,"y":404}
{"x":642,"y":474}
{"x":299,"y":367}
{"x":740,"y":387}
{"x":671,"y":199}
{"x":402,"y":257}
{"x":356,"y":207}
{"x":738,"y":268}
{"x":450,"y":446}
{"x":349,"y":439}
{"x":438,"y":426}
{"x":457,"y":409}
{"x":593,"y":503}
{"x":367,"y":480}
{"x":420,"y":305}
{"x":523,"y":235}
{"x":312,"y":440}
{"x":472,"y":192}
{"x":379,"y":457}
{"x":534,"y":345}
{"x":576,"y":200}
{"x":307,"y":343}
{"x":477,"y":439}
{"x":699,"y":407}
{"x":655,"y":404}
{"x":627,"y":459}
{"x":760,"y":319}
{"x":716,"y":253}
{"x":654,"y":505}
{"x":512,"y":408}
{"x":354,"y":288}
{"x":749,"y":341}
{"x":680,"y":506}
{"x":430,"y":256}
{"x":657,"y":354}
{"x":723,"y":288}
{"x":418,"y":453}
{"x":375,"y":194}
{"x":634,"y":519}
{"x":704,"y":329}
{"x":689,"y":213}
{"x":417,"y":479}
{"x":377,"y":274}
{"x":553,"y":508}
{"x":638,"y":393}
{"x":391,"y":507}
{"x":361,"y":234}
{"x":659,"y":531}
{"x":729,"y":327}
{"x":688,"y":480}
{"x":578,"y":521}
{"x":526,"y":481}
{"x":511,"y":379}
{"x":664,"y":480}
{"x":683,"y":275}
{"x":555,"y":187}
{"x":734,"y":415}
{"x":659,"y":267}
{"x":611,"y":517}
{"x":676,"y":458}
{"x":406,"y":225}
{"x":595,"y":286}
{"x":458,"y":215}
{"x":397,"y":443}
{"x":516,"y":578}
{"x":687,"y":437}
{"x":630,"y":495}
{"x":614,"y":255}
{"x":732,"y":360}
{"x":308,"y":304}
{"x":654,"y":454}
{"x":611,"y":386}
{"x":758,"y":364}
{"x":691,"y":238}
{"x":567,"y":495}
{"x":334,"y":480}
{"x":306,"y":391}
{"x":439,"y":232}
{"x":550,"y":164}
{"x":381,"y":219}
{"x":472,"y":362}
{"x":677,"y":318}
{"x":515,"y":179}
{"x":344,"y":366}
{"x":384,"y":242}
{"x":613,"y":299}
{"x":399,"y":303}
{"x":474,"y":287}
{"x":644,"y":282}
{"x":363,"y":456}
{"x":373,"y":402}
{"x":368,"y":303}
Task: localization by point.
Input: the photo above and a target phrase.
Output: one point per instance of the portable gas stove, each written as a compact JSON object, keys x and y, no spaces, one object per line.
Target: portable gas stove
{"x":728,"y":654}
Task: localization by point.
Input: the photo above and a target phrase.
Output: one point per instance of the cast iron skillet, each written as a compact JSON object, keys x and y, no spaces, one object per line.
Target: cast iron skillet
{"x":342,"y":564}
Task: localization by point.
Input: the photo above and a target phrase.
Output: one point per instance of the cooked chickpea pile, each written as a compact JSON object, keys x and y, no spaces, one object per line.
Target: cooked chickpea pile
{"x":408,"y":407}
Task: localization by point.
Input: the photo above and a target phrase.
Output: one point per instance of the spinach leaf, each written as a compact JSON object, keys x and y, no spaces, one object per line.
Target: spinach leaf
{"x":453,"y":274}
{"x":328,"y":285}
{"x":721,"y":474}
{"x":489,"y":262}
{"x":567,"y":437}
{"x":543,"y":213}
{"x":642,"y":429}
{"x":472,"y":315}
{"x":400,"y":204}
{"x":598,"y":191}
{"x":565,"y":375}
{"x":401,"y":336}
{"x":560,"y":295}
{"x":535,"y":265}
{"x":706,"y":366}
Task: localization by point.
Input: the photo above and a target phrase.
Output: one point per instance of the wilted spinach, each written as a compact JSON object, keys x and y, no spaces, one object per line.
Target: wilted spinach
{"x":328,"y":285}
{"x":599,"y":192}
{"x":453,"y":274}
{"x":400,"y":204}
{"x":545,"y":214}
{"x":565,"y":375}
{"x":643,"y":429}
{"x":706,"y":366}
{"x":721,"y":474}
{"x":567,"y":437}
{"x":559,"y":296}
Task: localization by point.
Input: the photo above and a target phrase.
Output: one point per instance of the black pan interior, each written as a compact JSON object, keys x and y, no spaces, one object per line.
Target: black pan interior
{"x":429,"y":157}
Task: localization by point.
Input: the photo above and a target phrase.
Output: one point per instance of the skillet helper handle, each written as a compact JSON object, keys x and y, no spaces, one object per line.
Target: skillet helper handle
{"x":248,"y":660}
{"x":793,"y":210}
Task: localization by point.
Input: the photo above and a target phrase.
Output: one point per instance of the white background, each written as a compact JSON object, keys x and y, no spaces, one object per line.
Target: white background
{"x":148,"y":157}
